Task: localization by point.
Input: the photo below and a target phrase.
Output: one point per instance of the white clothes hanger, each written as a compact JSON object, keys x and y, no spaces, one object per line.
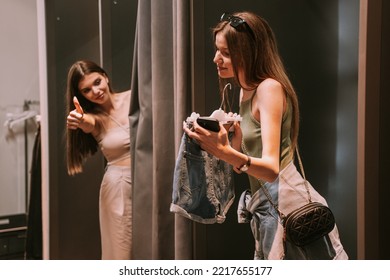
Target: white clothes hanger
{"x":14,"y":118}
{"x":218,"y":114}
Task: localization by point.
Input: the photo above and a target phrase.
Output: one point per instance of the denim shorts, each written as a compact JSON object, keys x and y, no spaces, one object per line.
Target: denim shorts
{"x":203,"y":185}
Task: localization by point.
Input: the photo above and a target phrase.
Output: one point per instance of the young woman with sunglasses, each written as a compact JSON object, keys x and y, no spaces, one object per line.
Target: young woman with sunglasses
{"x":98,"y":118}
{"x":265,"y":141}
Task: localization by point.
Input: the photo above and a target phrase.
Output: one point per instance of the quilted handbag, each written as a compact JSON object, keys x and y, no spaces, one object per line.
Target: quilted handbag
{"x":308,"y":223}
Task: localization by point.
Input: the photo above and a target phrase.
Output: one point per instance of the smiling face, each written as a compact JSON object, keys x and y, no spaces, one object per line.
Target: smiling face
{"x":222,"y":57}
{"x":94,"y":87}
{"x":223,"y":60}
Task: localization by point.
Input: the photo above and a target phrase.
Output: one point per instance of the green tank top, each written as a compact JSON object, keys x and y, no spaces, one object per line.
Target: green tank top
{"x":252,"y":142}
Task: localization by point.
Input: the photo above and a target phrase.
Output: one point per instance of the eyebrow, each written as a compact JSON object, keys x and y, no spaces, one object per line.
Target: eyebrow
{"x":220,"y":47}
{"x":93,"y":82}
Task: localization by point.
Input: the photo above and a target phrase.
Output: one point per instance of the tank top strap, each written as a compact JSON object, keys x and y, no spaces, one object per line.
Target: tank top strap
{"x":253,"y":94}
{"x":114,"y":120}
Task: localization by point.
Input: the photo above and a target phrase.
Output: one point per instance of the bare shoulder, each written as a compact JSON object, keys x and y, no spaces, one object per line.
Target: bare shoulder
{"x":270,"y":93}
{"x":123,"y":97}
{"x":124,"y":94}
{"x":270,"y":85}
{"x":270,"y":88}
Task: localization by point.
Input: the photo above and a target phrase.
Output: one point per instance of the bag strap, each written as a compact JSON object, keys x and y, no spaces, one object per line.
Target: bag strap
{"x":303,"y":173}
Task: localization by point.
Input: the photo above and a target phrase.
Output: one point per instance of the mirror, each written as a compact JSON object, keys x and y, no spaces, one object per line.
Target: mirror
{"x":19,"y":104}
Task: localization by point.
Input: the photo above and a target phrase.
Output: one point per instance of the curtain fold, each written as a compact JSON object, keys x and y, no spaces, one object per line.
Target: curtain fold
{"x":182,"y":97}
{"x":159,"y":104}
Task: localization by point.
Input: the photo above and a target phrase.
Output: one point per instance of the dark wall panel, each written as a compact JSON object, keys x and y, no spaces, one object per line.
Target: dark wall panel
{"x":384,"y":135}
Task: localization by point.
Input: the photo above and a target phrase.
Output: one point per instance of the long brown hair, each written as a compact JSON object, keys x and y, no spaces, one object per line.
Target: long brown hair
{"x":253,"y":48}
{"x":80,"y":145}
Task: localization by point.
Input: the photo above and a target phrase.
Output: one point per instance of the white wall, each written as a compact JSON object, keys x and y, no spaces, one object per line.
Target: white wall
{"x":19,"y":82}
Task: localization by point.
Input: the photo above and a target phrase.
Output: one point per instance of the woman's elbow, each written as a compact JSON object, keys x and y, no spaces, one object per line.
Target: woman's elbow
{"x":272,"y":173}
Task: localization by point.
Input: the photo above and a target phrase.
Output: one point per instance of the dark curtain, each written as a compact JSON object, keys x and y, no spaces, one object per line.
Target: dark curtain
{"x":159,"y":104}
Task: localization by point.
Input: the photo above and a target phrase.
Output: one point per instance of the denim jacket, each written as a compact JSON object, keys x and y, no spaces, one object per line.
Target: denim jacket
{"x":203,"y":185}
{"x":289,"y":192}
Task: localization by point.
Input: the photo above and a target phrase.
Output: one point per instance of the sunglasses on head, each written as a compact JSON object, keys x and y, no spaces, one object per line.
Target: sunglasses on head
{"x":236,"y":22}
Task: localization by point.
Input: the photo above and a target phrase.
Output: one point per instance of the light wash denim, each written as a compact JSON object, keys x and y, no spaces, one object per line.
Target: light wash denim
{"x":289,"y":192}
{"x":203,"y":185}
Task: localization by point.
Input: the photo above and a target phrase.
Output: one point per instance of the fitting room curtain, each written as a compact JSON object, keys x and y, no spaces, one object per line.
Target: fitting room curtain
{"x":160,"y":101}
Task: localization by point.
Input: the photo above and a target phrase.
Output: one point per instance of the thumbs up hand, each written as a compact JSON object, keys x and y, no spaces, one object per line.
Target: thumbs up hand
{"x":75,"y":117}
{"x":78,"y":106}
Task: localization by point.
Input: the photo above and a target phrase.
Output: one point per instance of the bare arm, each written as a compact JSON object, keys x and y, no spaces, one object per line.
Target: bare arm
{"x":268,"y":105}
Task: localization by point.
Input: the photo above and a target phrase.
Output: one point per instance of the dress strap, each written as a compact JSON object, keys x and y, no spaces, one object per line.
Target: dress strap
{"x":114,"y":120}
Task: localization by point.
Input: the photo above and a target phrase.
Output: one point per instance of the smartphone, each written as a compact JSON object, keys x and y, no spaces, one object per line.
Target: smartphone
{"x":208,"y":123}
